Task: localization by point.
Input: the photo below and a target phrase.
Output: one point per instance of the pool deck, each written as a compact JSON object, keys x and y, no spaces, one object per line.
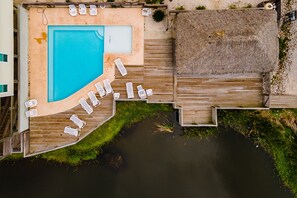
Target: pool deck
{"x":194,"y":96}
{"x":151,"y":65}
{"x":59,"y":16}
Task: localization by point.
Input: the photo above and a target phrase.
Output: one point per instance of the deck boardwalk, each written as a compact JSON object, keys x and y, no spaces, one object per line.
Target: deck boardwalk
{"x":156,"y":73}
{"x":283,"y":101}
{"x":135,"y":75}
{"x":197,"y":95}
{"x":158,"y":70}
{"x":194,"y":95}
{"x":47,"y":132}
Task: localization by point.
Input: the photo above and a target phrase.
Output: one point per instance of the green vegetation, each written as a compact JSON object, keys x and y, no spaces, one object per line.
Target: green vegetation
{"x":284,"y":39}
{"x":114,"y":6}
{"x":14,"y":157}
{"x":200,"y":132}
{"x":180,"y":8}
{"x":165,"y":127}
{"x":283,"y":48}
{"x":283,"y":42}
{"x":201,"y":7}
{"x":232,"y":6}
{"x":154,"y":1}
{"x":127,"y":113}
{"x":275,"y":131}
{"x":158,"y":15}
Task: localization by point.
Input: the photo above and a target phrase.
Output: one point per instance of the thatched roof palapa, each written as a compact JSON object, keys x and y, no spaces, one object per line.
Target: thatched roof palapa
{"x":226,"y":41}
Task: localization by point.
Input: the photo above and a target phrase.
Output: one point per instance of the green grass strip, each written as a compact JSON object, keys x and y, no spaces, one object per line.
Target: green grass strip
{"x":127,"y":113}
{"x":275,"y":131}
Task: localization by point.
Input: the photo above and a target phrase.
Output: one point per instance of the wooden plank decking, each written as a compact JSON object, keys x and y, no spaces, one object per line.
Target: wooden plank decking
{"x":197,"y":95}
{"x":194,"y":95}
{"x":156,"y":73}
{"x":158,"y":70}
{"x":283,"y":101}
{"x":47,"y":132}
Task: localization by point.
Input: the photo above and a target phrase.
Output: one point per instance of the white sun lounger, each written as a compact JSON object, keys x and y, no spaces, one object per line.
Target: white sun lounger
{"x":93,"y":10}
{"x":129,"y":88}
{"x":31,"y":113}
{"x":85,"y":106}
{"x":100,"y":89}
{"x":107,"y":86}
{"x":72,"y":10}
{"x":93,"y":99}
{"x":149,"y":92}
{"x":146,"y":12}
{"x":78,"y":122}
{"x":71,"y":131}
{"x":31,"y":103}
{"x":141,"y":92}
{"x":120,"y":66}
{"x":82,"y":9}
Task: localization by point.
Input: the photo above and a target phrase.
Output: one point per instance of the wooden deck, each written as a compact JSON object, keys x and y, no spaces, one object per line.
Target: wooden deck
{"x":47,"y":132}
{"x":197,"y":95}
{"x":283,"y":101}
{"x":194,"y":95}
{"x":156,"y":73}
{"x":158,"y":70}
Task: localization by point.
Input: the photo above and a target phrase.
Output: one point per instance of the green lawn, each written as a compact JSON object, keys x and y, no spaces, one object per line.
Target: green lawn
{"x":127,"y":113}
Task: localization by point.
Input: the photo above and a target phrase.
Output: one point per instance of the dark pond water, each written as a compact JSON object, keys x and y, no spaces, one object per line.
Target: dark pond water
{"x":145,"y":164}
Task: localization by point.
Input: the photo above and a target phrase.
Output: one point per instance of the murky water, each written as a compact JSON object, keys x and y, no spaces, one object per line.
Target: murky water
{"x":144,"y":164}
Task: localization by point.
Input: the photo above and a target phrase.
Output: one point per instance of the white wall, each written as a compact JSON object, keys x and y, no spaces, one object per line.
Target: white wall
{"x":6,"y":45}
{"x":23,"y":91}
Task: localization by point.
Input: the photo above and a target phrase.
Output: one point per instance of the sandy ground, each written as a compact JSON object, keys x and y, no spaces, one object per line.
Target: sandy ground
{"x":287,"y":83}
{"x":209,"y":4}
{"x":290,"y":73}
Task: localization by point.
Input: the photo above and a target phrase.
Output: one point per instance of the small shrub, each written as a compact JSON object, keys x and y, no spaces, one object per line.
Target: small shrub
{"x":200,"y":132}
{"x":180,"y":8}
{"x":67,"y":1}
{"x":200,"y":8}
{"x":158,"y":15}
{"x":165,"y":127}
{"x":232,"y":6}
{"x":110,"y":1}
{"x":248,"y":6}
{"x":116,"y":6}
{"x":154,"y":1}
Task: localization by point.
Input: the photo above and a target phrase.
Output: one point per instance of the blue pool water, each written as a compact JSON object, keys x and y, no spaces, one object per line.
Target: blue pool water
{"x":75,"y":58}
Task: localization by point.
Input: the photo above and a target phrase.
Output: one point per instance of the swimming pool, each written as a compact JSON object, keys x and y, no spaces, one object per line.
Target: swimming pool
{"x":75,"y":58}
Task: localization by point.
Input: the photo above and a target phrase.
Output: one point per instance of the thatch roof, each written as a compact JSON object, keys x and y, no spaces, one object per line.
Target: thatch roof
{"x":226,"y":41}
